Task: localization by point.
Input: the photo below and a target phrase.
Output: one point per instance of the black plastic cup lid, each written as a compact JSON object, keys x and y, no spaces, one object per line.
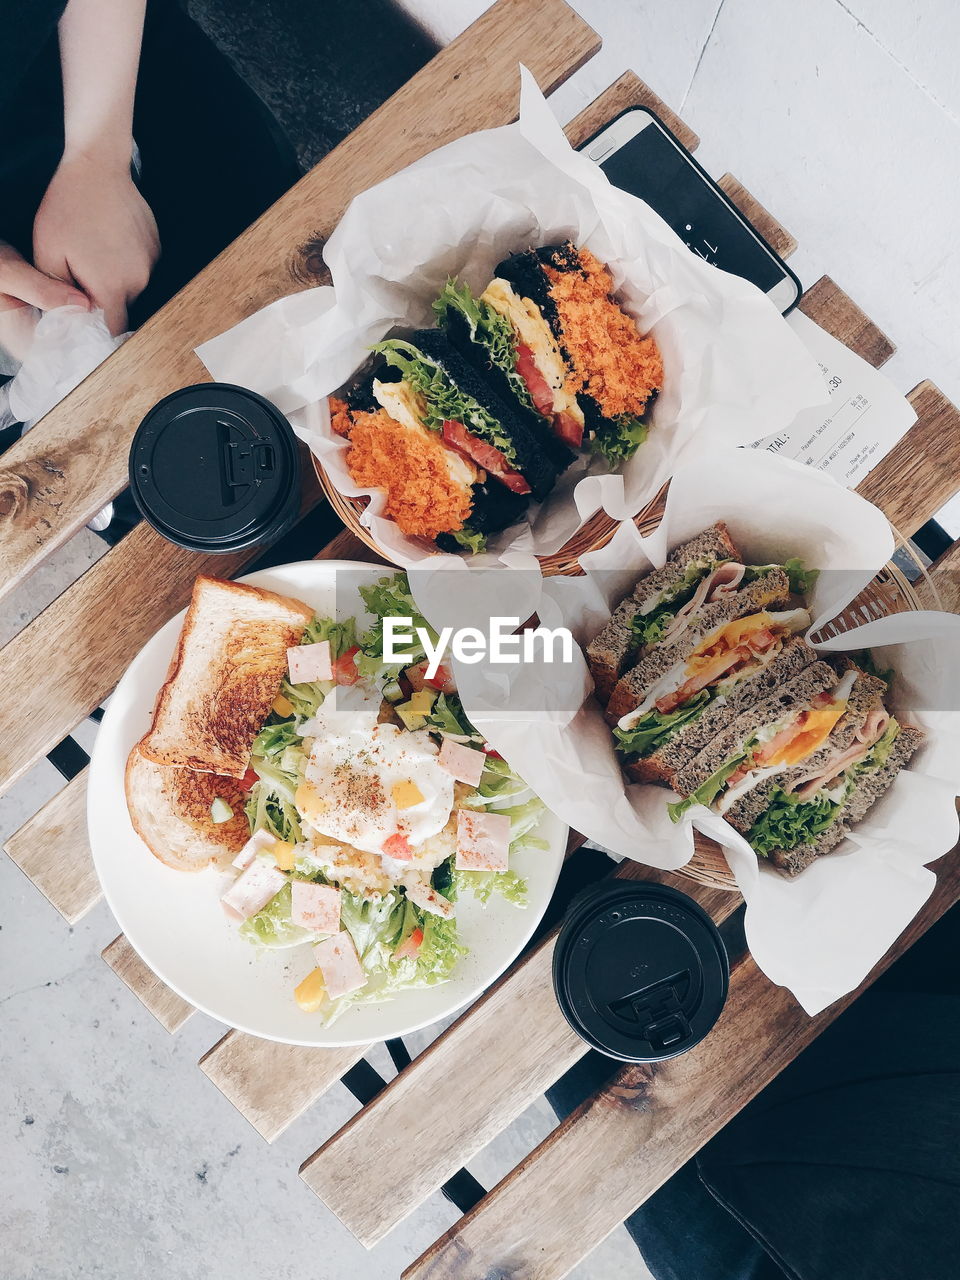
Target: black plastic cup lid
{"x":639,"y":970}
{"x":216,"y":468}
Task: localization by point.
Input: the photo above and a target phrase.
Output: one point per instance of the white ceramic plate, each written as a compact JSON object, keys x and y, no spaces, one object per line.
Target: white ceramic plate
{"x":174,"y":920}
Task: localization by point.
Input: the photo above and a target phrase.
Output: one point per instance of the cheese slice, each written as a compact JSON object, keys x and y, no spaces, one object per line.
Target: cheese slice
{"x":788,"y":622}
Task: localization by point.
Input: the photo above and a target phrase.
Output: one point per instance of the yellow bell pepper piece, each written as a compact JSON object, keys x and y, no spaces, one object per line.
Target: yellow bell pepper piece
{"x":422,"y":701}
{"x":406,"y":794}
{"x":282,"y":705}
{"x":311,"y":992}
{"x":411,"y":718}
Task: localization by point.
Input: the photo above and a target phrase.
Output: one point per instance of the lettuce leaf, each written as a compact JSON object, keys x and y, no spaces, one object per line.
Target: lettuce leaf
{"x":469,"y":540}
{"x":445,"y":401}
{"x":489,"y":329}
{"x":801,"y":579}
{"x":708,"y":791}
{"x":390,"y":597}
{"x":789,"y":822}
{"x":272,"y":927}
{"x":655,"y":727}
{"x":620,"y":439}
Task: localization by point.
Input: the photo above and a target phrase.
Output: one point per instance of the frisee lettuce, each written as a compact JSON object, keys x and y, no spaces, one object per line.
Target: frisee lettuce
{"x":469,"y":539}
{"x":272,"y":926}
{"x":488,"y":328}
{"x":620,"y":439}
{"x":655,"y":727}
{"x":445,"y":401}
{"x":788,"y":822}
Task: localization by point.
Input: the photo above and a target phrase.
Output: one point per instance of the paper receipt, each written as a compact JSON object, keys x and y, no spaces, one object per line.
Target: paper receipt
{"x":864,"y":419}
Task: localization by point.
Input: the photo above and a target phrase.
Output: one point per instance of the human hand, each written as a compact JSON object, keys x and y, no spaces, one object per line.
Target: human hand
{"x":94,"y":228}
{"x":24,"y":286}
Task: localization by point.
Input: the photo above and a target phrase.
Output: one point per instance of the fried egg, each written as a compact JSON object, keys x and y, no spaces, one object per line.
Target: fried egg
{"x":361,"y":787}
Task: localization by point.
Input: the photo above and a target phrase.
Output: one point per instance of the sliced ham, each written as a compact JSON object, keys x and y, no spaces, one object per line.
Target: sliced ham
{"x":340,"y":965}
{"x":483,"y":841}
{"x":721,"y":581}
{"x":307,"y":663}
{"x":463,"y":763}
{"x":827,"y":774}
{"x":252,"y":890}
{"x":315,"y":906}
{"x":427,"y":899}
{"x":260,"y":842}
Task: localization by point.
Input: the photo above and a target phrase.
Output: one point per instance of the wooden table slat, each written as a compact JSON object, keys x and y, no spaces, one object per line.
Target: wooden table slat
{"x":170,"y":1010}
{"x":612,"y":1153}
{"x":833,"y":310}
{"x":64,"y":470}
{"x":372,"y":1200}
{"x":828,"y":306}
{"x":272,"y":1084}
{"x":776,"y":235}
{"x":52,"y":850}
{"x":628,"y":91}
{"x":922,"y":471}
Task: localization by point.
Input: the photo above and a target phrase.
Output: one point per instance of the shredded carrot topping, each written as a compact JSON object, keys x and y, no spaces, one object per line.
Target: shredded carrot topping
{"x":617,"y":367}
{"x":410,"y":466}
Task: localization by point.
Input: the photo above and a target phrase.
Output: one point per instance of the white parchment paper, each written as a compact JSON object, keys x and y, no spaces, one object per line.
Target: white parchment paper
{"x":822,"y":932}
{"x":734,"y":370}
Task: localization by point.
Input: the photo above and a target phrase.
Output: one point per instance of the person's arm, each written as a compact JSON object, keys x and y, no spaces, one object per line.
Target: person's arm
{"x":93,"y":227}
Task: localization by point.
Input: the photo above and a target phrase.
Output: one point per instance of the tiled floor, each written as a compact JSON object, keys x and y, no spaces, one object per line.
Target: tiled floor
{"x":122,"y":1161}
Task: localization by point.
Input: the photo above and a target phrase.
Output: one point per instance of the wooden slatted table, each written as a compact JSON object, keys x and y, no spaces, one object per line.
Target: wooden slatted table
{"x":615,"y":1150}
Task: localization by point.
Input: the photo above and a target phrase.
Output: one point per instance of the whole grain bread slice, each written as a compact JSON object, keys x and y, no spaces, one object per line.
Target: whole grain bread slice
{"x":662,"y":765}
{"x":225,"y":675}
{"x":170,"y":811}
{"x":768,"y":592}
{"x":609,"y":653}
{"x":798,"y":692}
{"x":871,"y":786}
{"x":867,"y":692}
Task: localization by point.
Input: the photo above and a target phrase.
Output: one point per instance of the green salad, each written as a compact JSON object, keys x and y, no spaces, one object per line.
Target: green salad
{"x":374,"y":806}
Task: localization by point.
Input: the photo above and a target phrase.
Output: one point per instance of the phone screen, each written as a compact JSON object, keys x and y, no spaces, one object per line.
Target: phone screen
{"x":650,"y":166}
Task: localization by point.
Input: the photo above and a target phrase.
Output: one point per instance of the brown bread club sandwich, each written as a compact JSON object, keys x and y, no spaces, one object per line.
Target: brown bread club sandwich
{"x":728,"y":704}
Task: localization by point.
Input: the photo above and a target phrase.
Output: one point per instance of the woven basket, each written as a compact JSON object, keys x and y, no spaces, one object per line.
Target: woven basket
{"x":597,"y":531}
{"x":889,"y":592}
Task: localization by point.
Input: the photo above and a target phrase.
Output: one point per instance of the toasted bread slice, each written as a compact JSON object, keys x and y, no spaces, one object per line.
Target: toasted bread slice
{"x":170,"y":811}
{"x":612,"y":651}
{"x":226,"y":673}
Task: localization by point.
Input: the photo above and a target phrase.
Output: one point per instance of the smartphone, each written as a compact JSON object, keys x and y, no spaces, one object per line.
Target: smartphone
{"x":638,"y":153}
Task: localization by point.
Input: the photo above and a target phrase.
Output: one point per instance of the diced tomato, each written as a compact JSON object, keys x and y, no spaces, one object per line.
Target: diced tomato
{"x":569,"y":430}
{"x":398,"y":846}
{"x":770,"y":750}
{"x":410,"y":945}
{"x":345,"y":667}
{"x":760,"y":640}
{"x":442,"y":680}
{"x":484,"y":455}
{"x":248,"y":779}
{"x":491,"y":751}
{"x":535,"y":382}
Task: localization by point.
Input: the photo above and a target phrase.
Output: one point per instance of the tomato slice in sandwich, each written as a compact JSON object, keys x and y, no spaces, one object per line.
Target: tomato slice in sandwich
{"x":484,"y":455}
